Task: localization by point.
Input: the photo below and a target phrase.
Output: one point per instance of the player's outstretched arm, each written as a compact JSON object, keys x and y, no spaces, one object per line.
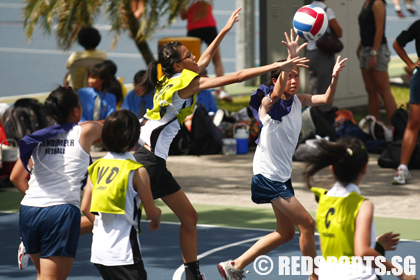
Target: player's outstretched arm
{"x":202,"y":83}
{"x":328,"y":96}
{"x":207,"y":55}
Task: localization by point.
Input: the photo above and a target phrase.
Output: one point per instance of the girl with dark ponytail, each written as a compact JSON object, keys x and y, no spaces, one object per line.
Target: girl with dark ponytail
{"x":344,"y":218}
{"x":57,"y":157}
{"x":175,"y":79}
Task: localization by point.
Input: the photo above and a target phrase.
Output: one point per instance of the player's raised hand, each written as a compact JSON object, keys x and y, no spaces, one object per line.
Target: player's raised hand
{"x":234,"y":17}
{"x":339,"y":65}
{"x":288,"y":65}
{"x":292,"y":45}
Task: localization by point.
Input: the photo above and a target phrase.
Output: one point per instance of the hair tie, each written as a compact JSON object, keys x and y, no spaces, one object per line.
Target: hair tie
{"x":159,"y":71}
{"x":349,"y":151}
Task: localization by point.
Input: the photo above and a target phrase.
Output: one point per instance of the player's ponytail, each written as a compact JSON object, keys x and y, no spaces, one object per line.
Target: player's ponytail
{"x":348,"y":156}
{"x":169,"y":54}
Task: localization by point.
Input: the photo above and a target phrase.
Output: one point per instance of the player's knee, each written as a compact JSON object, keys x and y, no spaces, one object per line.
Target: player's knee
{"x":191,"y":219}
{"x":289,"y":235}
{"x":309,"y":225}
{"x":413,"y":125}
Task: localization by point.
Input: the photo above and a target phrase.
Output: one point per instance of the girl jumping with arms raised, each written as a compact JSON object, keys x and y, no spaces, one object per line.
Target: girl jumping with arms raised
{"x":173,"y":101}
{"x":278,"y":107}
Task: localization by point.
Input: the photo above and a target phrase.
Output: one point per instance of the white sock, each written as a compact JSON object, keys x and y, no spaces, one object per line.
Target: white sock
{"x":403,"y":166}
{"x":397,"y":8}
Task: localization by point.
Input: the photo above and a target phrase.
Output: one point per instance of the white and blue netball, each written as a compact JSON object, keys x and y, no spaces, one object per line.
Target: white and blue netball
{"x":310,"y":22}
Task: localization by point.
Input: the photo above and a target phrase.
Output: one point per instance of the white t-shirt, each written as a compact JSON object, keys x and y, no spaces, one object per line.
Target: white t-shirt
{"x":158,"y":134}
{"x":330,"y":14}
{"x":329,"y":270}
{"x":60,"y":165}
{"x":111,"y":243}
{"x":278,"y":140}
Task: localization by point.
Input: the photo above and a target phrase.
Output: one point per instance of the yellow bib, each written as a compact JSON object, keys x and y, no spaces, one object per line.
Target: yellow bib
{"x":335,"y":220}
{"x":109,"y":184}
{"x":165,"y":92}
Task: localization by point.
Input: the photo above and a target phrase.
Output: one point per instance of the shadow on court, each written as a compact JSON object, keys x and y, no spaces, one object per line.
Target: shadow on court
{"x":162,"y":255}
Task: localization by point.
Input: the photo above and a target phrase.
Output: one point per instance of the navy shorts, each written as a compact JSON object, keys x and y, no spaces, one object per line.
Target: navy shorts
{"x":50,"y":231}
{"x":265,"y":190}
{"x":415,"y":87}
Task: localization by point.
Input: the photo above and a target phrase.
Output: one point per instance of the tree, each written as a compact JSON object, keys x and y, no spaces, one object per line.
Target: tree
{"x":70,"y":16}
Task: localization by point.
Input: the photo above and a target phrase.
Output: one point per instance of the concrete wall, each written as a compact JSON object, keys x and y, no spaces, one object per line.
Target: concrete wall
{"x":276,"y":16}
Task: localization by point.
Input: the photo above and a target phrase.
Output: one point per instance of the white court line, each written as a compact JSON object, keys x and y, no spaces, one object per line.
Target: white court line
{"x":178,"y":273}
{"x":180,"y":270}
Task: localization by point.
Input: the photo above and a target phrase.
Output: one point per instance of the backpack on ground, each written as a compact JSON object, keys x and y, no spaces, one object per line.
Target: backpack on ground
{"x":314,"y":122}
{"x":390,"y":157}
{"x":25,"y":117}
{"x":346,"y":128}
{"x":377,"y":130}
{"x":181,"y":144}
{"x":399,"y":120}
{"x":206,"y":138}
{"x":42,"y":119}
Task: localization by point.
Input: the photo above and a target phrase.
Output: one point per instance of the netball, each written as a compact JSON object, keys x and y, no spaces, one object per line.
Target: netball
{"x":310,"y":22}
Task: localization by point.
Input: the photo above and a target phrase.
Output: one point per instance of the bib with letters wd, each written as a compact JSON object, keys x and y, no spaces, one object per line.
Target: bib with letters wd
{"x":162,"y":99}
{"x":335,"y":220}
{"x":109,"y":179}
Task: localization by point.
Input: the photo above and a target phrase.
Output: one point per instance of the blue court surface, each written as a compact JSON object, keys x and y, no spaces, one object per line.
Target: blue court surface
{"x":162,"y":255}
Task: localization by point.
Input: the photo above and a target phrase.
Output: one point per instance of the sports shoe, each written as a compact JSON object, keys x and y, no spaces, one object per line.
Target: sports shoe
{"x":229,"y":272}
{"x":400,"y":14}
{"x":401,"y":177}
{"x":23,"y":258}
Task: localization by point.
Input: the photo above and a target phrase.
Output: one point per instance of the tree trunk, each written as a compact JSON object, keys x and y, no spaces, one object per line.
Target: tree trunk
{"x":142,"y":46}
{"x":145,"y":51}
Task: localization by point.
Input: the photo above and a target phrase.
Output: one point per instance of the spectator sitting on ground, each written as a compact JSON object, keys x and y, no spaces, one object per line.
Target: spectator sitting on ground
{"x":137,"y":100}
{"x":89,"y":38}
{"x":96,"y":100}
{"x":115,"y":86}
{"x":206,"y":99}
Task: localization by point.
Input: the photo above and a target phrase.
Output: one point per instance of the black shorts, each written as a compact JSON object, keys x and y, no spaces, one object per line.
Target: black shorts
{"x":161,"y":181}
{"x":206,"y":34}
{"x":129,"y":272}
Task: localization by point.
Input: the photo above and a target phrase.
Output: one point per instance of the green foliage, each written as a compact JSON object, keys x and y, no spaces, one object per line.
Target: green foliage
{"x":401,"y":95}
{"x":238,"y":103}
{"x":67,"y":17}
